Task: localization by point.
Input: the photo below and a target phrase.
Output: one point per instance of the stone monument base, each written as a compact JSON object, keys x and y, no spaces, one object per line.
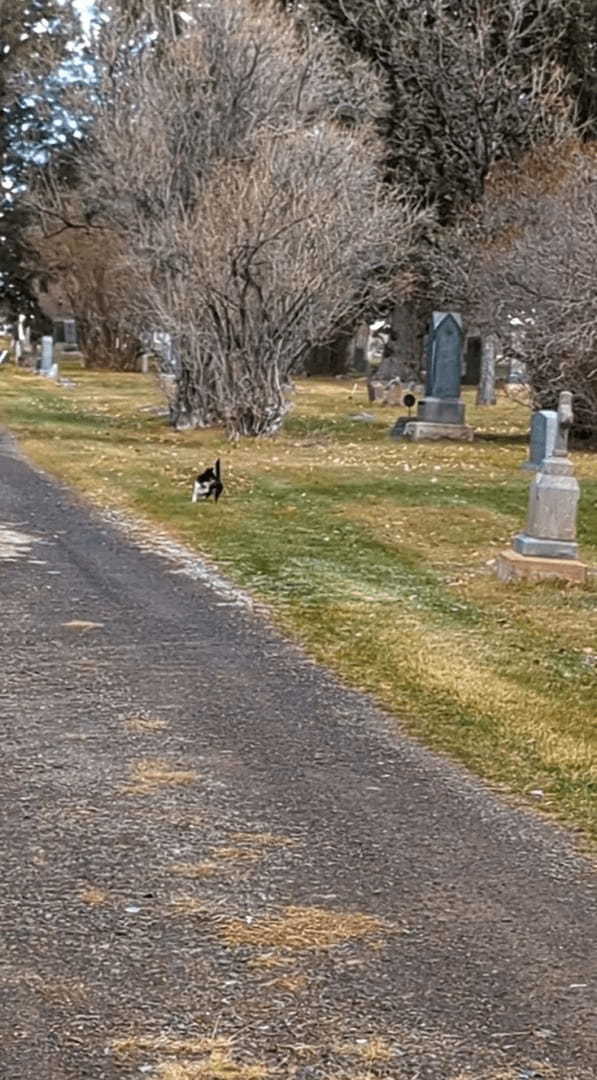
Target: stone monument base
{"x":511,"y":566}
{"x":417,"y":430}
{"x":546,"y":549}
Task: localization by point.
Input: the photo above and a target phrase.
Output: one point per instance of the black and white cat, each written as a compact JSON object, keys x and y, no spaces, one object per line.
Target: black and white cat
{"x":208,"y":483}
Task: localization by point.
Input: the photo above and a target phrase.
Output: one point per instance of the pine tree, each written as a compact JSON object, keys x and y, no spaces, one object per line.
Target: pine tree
{"x":35,"y":40}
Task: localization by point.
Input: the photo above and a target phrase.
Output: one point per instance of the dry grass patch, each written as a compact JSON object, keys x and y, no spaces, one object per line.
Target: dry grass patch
{"x":262,"y":840}
{"x":207,"y":1058}
{"x":82,"y":624}
{"x":270,"y":960}
{"x":189,"y":905}
{"x":194,"y":870}
{"x":540,"y":1070}
{"x":233,"y":854}
{"x":303,"y":928}
{"x":292,"y":984}
{"x":165,"y":1044}
{"x":149,"y":776}
{"x":216,"y":1067}
{"x":366,"y":1076}
{"x":143,"y":723}
{"x":248,"y":848}
{"x":368,"y":1050}
{"x":94,"y":896}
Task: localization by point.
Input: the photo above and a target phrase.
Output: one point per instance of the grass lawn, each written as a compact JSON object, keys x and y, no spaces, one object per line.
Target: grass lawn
{"x":373,"y":553}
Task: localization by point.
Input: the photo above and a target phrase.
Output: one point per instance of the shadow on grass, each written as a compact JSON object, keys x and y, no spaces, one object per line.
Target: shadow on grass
{"x":498,"y":439}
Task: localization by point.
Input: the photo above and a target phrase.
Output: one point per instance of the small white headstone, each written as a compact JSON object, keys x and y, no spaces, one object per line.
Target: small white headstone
{"x":47,"y":355}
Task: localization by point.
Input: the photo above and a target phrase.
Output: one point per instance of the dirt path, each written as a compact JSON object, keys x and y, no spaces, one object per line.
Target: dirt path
{"x":217,"y":861}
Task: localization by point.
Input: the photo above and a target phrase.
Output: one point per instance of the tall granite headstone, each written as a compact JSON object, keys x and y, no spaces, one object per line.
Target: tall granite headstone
{"x":440,"y":415}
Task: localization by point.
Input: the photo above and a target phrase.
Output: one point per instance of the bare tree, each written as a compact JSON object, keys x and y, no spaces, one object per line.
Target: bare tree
{"x":252,"y":225}
{"x":280,"y":253}
{"x":85,"y":266}
{"x":462,"y":84}
{"x":528,"y":254}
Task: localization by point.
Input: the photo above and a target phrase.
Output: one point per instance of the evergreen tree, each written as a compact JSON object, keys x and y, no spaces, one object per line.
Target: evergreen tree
{"x":36,"y":42}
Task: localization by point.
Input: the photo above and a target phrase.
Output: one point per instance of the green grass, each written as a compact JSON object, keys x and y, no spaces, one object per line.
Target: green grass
{"x":374,"y":554}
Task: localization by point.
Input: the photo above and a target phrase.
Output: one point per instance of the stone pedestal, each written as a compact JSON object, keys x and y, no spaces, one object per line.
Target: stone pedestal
{"x":551,"y":523}
{"x":511,"y":566}
{"x":418,"y":430}
{"x":546,"y":549}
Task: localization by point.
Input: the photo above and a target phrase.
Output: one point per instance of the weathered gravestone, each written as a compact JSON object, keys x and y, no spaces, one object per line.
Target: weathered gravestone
{"x":386,"y":393}
{"x":517,"y":374}
{"x":46,"y":360}
{"x":544,"y":428}
{"x":548,"y":548}
{"x":440,"y":415}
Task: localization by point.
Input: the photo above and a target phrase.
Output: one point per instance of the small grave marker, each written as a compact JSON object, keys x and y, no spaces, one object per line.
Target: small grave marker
{"x":544,"y":427}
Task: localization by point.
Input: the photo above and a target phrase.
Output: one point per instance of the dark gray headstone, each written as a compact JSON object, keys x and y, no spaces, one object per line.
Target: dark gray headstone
{"x":70,"y":332}
{"x":444,"y":356}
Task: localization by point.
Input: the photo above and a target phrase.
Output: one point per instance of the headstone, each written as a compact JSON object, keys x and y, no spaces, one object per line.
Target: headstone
{"x":70,"y":332}
{"x":544,"y":427}
{"x":162,"y":345}
{"x":375,"y":390}
{"x":548,"y":548}
{"x":440,"y":415}
{"x":47,"y":355}
{"x":389,"y":393}
{"x":517,"y":375}
{"x":393,"y":393}
{"x":489,"y":352}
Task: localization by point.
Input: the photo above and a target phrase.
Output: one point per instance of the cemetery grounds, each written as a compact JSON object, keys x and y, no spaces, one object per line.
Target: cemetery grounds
{"x":375,"y":554}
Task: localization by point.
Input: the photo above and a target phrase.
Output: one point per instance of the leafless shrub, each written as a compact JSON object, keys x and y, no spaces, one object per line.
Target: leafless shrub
{"x":252,"y":225}
{"x":84,"y":267}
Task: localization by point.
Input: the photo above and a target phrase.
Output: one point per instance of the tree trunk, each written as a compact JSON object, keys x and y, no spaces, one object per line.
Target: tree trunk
{"x":360,"y":348}
{"x":403,"y":354}
{"x":486,"y":391}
